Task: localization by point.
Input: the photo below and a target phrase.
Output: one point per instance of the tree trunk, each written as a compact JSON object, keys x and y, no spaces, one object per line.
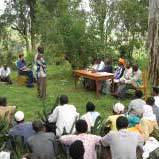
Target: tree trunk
{"x":31,"y":4}
{"x":153,"y":41}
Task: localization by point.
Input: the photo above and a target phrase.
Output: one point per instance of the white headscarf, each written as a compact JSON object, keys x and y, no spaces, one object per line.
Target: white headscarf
{"x":118,"y":108}
{"x":148,"y":113}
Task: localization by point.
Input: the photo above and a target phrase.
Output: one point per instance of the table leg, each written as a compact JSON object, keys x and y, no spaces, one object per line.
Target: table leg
{"x":113,"y":85}
{"x":76,"y":79}
{"x":97,"y":88}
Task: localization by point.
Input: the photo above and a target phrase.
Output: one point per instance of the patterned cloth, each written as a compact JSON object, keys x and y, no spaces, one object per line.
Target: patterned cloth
{"x":89,"y":142}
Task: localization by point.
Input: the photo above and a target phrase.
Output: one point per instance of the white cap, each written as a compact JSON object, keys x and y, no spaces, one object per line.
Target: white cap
{"x":118,"y":107}
{"x":19,"y":116}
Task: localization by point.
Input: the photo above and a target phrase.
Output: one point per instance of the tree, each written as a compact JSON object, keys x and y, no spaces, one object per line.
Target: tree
{"x":153,"y":41}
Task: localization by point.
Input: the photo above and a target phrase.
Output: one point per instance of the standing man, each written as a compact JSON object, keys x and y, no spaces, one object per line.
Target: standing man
{"x":5,"y":74}
{"x":41,"y":73}
{"x":24,"y":70}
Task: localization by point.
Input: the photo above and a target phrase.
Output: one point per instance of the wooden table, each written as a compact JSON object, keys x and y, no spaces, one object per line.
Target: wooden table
{"x":97,"y":76}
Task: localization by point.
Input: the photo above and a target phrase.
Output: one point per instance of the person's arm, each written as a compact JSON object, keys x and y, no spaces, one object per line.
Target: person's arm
{"x":8,"y":71}
{"x":140,"y":142}
{"x":106,"y":139}
{"x":53,"y":117}
{"x":68,"y":139}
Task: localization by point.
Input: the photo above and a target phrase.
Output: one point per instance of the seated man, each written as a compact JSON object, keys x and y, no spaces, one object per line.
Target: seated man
{"x":22,"y":129}
{"x":123,"y":144}
{"x":64,"y":116}
{"x":89,"y":141}
{"x":133,"y":82}
{"x":42,"y":145}
{"x":155,"y":94}
{"x":6,"y":111}
{"x":135,"y":107}
{"x":23,"y":70}
{"x":91,"y":115}
{"x":120,"y":70}
{"x":5,"y":74}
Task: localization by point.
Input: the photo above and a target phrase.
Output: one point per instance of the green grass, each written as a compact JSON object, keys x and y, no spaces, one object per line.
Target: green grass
{"x":59,"y":81}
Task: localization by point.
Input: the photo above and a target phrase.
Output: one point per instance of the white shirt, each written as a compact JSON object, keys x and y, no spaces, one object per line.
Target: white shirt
{"x":4,"y":73}
{"x":98,"y":67}
{"x":64,"y":116}
{"x":156,"y":100}
{"x":90,"y":118}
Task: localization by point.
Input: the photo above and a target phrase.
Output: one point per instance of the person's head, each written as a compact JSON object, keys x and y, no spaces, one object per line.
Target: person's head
{"x":118,"y":108}
{"x":3,"y":101}
{"x":135,"y":67}
{"x":155,"y":91}
{"x":138,"y":94}
{"x":21,"y":56}
{"x":63,"y":99}
{"x":150,"y":101}
{"x":128,"y":65}
{"x":38,"y":126}
{"x":122,"y":122}
{"x":76,"y":150}
{"x":121,"y":62}
{"x":107,"y":61}
{"x":19,"y":116}
{"x":5,"y":66}
{"x":81,"y":126}
{"x":40,"y":50}
{"x":90,"y":107}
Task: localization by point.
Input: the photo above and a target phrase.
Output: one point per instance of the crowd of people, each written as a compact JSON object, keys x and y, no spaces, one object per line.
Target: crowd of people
{"x":130,"y":129}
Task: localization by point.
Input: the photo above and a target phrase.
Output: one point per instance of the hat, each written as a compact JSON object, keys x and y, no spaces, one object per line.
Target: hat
{"x":19,"y":116}
{"x":121,"y":61}
{"x":118,"y":107}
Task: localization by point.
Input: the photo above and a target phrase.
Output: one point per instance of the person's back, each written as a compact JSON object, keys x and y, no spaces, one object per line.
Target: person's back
{"x":123,"y":144}
{"x":64,"y":116}
{"x":22,"y":129}
{"x":42,"y":145}
{"x":136,"y":105}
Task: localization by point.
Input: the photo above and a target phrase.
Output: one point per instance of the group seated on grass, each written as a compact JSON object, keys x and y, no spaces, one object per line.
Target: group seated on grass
{"x":126,"y":134}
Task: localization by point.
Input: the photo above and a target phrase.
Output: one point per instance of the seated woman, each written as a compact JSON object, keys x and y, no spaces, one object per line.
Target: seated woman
{"x":118,"y":110}
{"x":91,"y":115}
{"x":23,"y":70}
{"x":6,"y":111}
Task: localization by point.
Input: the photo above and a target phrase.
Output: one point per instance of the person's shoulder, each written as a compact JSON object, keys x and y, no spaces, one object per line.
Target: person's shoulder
{"x":49,"y":135}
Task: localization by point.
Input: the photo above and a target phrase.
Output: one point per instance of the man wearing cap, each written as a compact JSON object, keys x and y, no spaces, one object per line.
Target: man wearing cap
{"x":22,"y":129}
{"x":5,"y":74}
{"x":120,"y":70}
{"x":118,"y":110}
{"x":23,"y":70}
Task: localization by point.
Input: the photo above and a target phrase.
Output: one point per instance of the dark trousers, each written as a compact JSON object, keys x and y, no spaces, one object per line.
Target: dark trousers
{"x":6,"y":79}
{"x":29,"y":74}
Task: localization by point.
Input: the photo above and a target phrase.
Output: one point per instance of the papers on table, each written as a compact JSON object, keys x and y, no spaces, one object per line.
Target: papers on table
{"x":104,"y":73}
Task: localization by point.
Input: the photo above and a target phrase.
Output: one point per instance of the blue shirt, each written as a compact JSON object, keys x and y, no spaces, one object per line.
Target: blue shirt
{"x":24,"y":129}
{"x":119,"y":72}
{"x":21,"y":64}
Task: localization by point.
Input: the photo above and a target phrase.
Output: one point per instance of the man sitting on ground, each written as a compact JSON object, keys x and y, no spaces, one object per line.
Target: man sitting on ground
{"x":64,"y":116}
{"x":24,"y":70}
{"x":135,"y":107}
{"x":89,"y":141}
{"x":91,"y":115}
{"x":22,"y":128}
{"x":6,"y":111}
{"x":155,"y":94}
{"x":123,"y":144}
{"x":5,"y":74}
{"x":42,"y":145}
